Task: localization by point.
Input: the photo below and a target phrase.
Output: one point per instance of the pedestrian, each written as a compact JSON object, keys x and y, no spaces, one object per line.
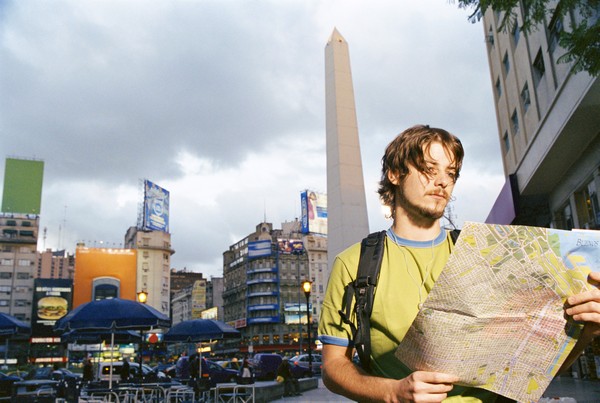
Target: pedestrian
{"x":125,"y":370}
{"x":419,"y":170}
{"x":88,"y":370}
{"x":291,"y":386}
{"x":245,"y":373}
{"x":182,"y":368}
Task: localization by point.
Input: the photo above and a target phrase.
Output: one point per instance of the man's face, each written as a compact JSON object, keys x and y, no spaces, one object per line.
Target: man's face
{"x":424,"y":195}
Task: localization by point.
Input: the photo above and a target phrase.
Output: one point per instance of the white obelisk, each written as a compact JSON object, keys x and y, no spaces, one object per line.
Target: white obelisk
{"x":347,"y":220}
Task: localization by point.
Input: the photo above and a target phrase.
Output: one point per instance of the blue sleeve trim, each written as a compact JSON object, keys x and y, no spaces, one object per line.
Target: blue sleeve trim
{"x":338,"y":341}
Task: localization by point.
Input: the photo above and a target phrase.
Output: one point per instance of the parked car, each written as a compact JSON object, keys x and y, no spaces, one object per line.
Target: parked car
{"x":299,"y":365}
{"x":6,"y":383}
{"x":265,"y":366}
{"x":234,"y":365}
{"x":59,"y":374}
{"x":218,"y":374}
{"x":149,"y":374}
{"x":212,"y":373}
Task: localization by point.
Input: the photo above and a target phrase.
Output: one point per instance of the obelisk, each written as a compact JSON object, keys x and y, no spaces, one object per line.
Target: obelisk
{"x":347,"y":220}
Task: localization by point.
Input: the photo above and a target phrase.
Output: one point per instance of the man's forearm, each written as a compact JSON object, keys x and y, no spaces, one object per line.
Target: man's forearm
{"x":584,"y":340}
{"x":346,"y":379}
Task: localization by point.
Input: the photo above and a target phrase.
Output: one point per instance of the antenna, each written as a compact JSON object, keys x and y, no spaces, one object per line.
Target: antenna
{"x":265,"y":210}
{"x":60,"y":227}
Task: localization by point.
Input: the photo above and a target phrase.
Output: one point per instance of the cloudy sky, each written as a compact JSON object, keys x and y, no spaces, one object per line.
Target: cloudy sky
{"x":223,"y":103}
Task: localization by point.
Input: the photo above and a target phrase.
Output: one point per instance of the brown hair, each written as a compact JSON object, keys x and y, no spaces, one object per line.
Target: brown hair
{"x":408,"y":149}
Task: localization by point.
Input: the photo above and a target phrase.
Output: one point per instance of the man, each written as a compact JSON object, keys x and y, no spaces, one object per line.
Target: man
{"x":419,"y":170}
{"x":125,"y":370}
{"x":182,"y":367}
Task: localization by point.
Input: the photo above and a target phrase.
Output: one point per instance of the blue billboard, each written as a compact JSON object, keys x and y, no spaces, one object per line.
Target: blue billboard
{"x":156,"y":207}
{"x":259,"y":248}
{"x":314,"y":212}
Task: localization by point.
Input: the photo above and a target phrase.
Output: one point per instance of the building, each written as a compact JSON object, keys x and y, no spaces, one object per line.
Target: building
{"x":18,"y":258}
{"x":549,"y":128}
{"x":153,"y":267}
{"x":55,"y":264}
{"x":262,"y":294}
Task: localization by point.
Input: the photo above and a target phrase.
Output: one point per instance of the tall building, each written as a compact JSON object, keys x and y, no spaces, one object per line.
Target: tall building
{"x":549,"y":128}
{"x":55,"y":264}
{"x":347,"y":219}
{"x":153,"y":268}
{"x":262,"y":297}
{"x":19,"y":227}
{"x":18,"y":258}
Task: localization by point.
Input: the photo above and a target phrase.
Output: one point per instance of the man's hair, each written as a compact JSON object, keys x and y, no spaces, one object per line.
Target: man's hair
{"x":408,"y":148}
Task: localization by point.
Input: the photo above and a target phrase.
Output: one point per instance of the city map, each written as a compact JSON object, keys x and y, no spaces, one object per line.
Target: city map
{"x":495,"y":316}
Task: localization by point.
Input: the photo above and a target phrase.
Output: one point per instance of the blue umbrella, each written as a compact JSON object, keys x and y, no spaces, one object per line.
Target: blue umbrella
{"x":112,"y":315}
{"x":9,"y":325}
{"x":96,"y":337}
{"x":199,"y":330}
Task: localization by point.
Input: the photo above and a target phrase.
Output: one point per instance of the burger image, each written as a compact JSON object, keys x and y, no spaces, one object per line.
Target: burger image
{"x":52,"y":308}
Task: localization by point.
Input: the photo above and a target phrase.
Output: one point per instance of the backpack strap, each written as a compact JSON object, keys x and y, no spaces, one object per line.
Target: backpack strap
{"x":362,"y":289}
{"x":454,"y":235}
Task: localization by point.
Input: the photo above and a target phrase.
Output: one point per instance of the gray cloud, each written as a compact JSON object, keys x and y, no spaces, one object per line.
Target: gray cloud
{"x":108,"y":92}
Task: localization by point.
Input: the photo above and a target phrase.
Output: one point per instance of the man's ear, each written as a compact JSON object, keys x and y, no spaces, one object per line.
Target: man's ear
{"x":394,"y":177}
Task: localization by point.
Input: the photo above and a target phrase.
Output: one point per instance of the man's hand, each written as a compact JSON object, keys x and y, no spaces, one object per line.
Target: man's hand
{"x":585,"y":307}
{"x":421,"y":386}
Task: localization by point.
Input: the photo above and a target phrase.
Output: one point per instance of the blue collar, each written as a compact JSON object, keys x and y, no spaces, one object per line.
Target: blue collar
{"x":416,"y":244}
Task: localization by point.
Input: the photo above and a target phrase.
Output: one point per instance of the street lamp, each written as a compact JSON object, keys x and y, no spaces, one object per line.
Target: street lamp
{"x":306,"y":287}
{"x":142,"y":297}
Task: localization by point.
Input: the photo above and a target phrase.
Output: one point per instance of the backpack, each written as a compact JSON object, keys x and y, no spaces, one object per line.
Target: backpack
{"x":362,"y":289}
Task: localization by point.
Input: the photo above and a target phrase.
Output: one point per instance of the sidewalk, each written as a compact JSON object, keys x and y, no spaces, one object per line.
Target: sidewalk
{"x":583,"y":391}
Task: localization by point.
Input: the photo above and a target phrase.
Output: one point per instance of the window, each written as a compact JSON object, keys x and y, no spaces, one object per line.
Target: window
{"x":21,"y":302}
{"x":23,"y":276}
{"x":515,"y":122}
{"x":506,"y":141}
{"x":24,"y":262}
{"x":554,"y":30}
{"x":5,"y":288}
{"x":498,"y":88}
{"x":525,"y":98}
{"x":539,"y":69}
{"x":516,"y":33}
{"x":4,"y":302}
{"x":5,"y":275}
{"x":568,"y":217}
{"x":6,"y":262}
{"x":490,"y":36}
{"x":506,"y":63}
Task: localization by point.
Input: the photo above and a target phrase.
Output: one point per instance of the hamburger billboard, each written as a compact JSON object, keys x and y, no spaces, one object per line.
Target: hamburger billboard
{"x":52,"y":299}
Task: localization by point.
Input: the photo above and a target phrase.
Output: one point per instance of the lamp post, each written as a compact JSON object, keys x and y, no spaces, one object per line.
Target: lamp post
{"x":142,"y":297}
{"x":306,"y":287}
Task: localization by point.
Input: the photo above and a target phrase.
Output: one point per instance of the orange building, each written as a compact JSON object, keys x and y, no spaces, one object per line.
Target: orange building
{"x":104,"y":273}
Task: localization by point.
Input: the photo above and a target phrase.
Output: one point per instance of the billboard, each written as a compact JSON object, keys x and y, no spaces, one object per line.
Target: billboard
{"x":22,"y":186}
{"x":290,"y":246}
{"x":259,"y":248}
{"x":314,"y":212}
{"x":210,"y":313}
{"x":156,"y":207}
{"x":52,"y":299}
{"x":114,"y":266}
{"x":198,"y":298}
{"x":295,"y":313}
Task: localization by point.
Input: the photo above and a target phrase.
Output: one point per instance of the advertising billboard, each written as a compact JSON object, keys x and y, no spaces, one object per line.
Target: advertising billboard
{"x":22,"y":186}
{"x":198,"y":298}
{"x":290,"y":246}
{"x":52,"y":299}
{"x":110,"y":266}
{"x":210,"y":313}
{"x":314,"y":212}
{"x":156,"y":207}
{"x":259,"y":248}
{"x":295,"y":313}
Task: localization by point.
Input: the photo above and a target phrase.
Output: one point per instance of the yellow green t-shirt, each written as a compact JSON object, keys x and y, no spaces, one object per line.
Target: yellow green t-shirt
{"x":408,"y":271}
